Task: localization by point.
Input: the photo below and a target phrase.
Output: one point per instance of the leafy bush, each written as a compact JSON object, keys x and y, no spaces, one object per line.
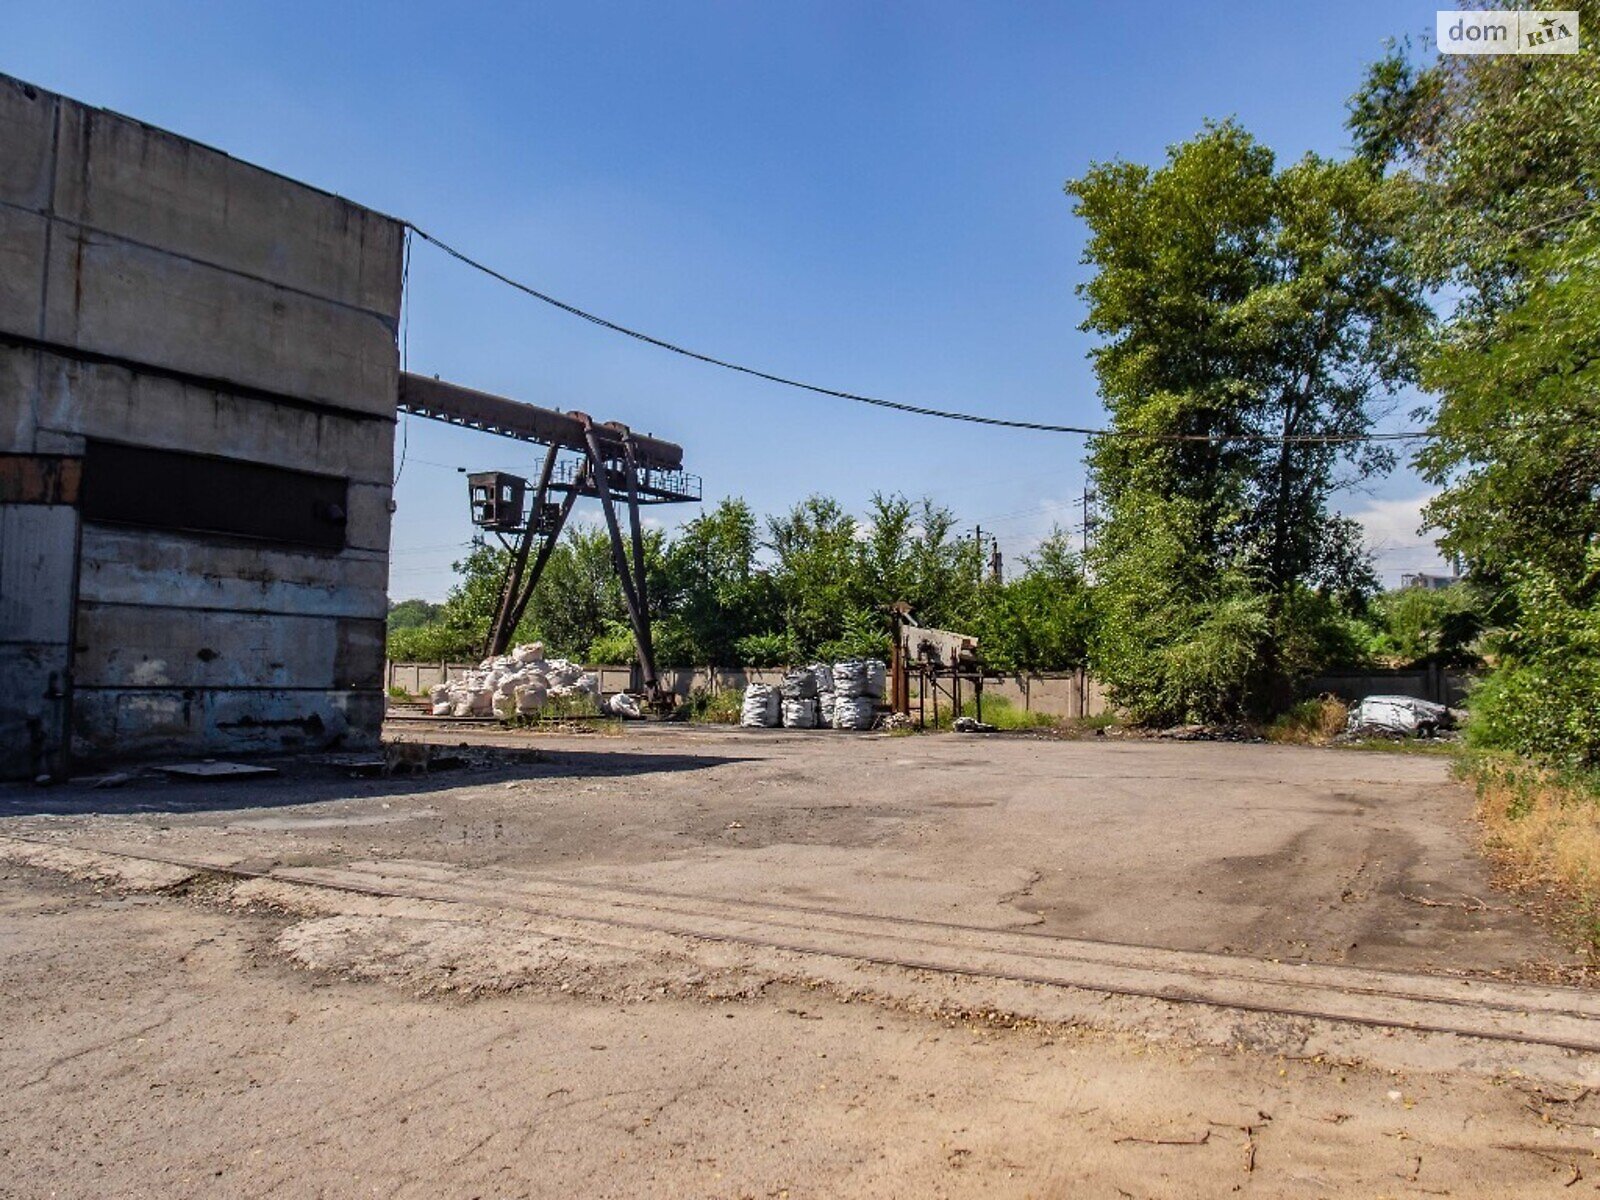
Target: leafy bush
{"x":434,"y":643}
{"x":1543,"y":700}
{"x":614,"y":647}
{"x":767,"y":650}
{"x":1424,"y":625}
{"x":863,"y":637}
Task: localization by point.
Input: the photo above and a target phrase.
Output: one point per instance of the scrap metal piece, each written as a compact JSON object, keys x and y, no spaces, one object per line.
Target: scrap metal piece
{"x":210,"y":769}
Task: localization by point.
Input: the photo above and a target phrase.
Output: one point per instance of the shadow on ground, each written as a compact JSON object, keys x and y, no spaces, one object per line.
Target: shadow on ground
{"x":322,"y":779}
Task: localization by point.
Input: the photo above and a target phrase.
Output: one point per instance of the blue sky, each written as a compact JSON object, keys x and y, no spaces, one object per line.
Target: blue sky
{"x":863,"y":195}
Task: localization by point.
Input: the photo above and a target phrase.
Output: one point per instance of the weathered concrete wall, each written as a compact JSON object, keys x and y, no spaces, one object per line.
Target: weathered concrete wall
{"x":1068,"y":694}
{"x":1425,"y":683}
{"x":156,"y":292}
{"x":38,"y":540}
{"x":417,"y":678}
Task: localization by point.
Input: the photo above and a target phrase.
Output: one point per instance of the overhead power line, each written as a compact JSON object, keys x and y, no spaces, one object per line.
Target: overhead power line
{"x":896,"y":405}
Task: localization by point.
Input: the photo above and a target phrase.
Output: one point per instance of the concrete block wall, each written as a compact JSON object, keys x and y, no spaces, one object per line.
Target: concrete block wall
{"x":1067,"y":694}
{"x":1432,"y":682}
{"x":157,"y":292}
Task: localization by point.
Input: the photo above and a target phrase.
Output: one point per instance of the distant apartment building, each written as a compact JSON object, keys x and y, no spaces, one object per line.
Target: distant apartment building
{"x":1427,"y":582}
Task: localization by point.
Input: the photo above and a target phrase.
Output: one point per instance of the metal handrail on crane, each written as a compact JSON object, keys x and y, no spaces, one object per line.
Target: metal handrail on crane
{"x":607,"y":462}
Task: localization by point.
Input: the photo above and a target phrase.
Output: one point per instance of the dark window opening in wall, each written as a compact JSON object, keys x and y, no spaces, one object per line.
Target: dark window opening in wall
{"x":197,"y":493}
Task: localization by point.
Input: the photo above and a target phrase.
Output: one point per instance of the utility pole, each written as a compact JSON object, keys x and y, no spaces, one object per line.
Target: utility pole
{"x":995,"y":563}
{"x":1090,"y":496}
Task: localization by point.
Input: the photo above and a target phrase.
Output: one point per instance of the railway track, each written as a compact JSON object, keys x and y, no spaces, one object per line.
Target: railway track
{"x":1541,"y":1015}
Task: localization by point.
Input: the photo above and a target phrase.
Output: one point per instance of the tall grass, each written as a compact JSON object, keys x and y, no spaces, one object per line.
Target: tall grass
{"x":997,"y":711}
{"x":1542,"y":829}
{"x":705,"y":707}
{"x":1310,"y":723}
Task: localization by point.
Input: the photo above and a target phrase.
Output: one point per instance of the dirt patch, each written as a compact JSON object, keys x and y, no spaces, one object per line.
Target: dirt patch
{"x":432,"y":957}
{"x":158,"y":1047}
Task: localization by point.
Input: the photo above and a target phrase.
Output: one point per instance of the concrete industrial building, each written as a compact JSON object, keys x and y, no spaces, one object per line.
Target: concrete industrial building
{"x":198,"y":381}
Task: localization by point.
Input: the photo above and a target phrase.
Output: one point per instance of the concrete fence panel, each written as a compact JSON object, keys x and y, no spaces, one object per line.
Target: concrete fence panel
{"x":1066,"y":694}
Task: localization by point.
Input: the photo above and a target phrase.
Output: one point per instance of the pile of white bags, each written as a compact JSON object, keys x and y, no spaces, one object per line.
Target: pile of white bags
{"x":519,"y":683}
{"x":761,"y":707}
{"x":860,"y":677}
{"x":839,"y":696}
{"x":854,"y":712}
{"x":858,"y":686}
{"x":800,"y":714}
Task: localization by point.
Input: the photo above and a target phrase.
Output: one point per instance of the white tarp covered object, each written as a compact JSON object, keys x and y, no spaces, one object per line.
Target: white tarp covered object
{"x":800,"y":714}
{"x":854,"y":712}
{"x":521,"y":682}
{"x":1405,"y":715}
{"x":624,"y":705}
{"x":760,"y":708}
{"x":860,"y":677}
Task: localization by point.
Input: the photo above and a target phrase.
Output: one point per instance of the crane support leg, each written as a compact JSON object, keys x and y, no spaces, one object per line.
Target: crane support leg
{"x":633,"y":594}
{"x":517,"y":587}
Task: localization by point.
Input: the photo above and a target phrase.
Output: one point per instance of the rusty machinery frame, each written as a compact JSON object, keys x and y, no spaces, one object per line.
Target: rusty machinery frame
{"x":606,"y":461}
{"x":939,"y":660}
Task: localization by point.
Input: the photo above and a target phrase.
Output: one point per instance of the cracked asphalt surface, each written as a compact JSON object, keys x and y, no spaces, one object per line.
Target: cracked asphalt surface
{"x":212,"y":1040}
{"x":1278,"y":852}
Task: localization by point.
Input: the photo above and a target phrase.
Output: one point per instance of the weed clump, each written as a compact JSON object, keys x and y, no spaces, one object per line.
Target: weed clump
{"x":705,"y":707}
{"x":1541,"y":827}
{"x":1310,"y":722}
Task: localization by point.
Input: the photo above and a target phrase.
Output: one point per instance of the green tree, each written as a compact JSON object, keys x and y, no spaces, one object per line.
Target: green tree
{"x":1244,"y":309}
{"x":816,"y":571}
{"x":409,"y":614}
{"x":1430,"y":625}
{"x":460,"y":624}
{"x":910,"y":551}
{"x":578,"y":597}
{"x":719,"y":593}
{"x":1040,"y":620}
{"x":1500,"y":156}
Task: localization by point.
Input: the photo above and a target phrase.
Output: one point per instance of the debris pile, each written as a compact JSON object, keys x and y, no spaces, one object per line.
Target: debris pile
{"x":515,"y":684}
{"x":1399,"y":717}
